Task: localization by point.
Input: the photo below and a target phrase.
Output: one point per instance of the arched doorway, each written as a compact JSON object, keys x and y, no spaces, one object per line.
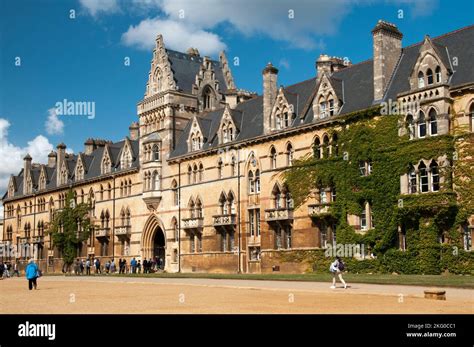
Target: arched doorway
{"x":159,"y":247}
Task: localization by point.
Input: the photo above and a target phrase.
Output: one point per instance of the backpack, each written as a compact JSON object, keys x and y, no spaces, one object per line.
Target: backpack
{"x":341,"y":266}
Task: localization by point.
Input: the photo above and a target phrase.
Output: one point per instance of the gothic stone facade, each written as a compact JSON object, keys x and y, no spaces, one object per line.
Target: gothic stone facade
{"x":198,"y":180}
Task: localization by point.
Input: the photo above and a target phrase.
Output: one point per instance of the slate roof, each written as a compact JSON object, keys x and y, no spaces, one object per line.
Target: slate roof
{"x":92,"y":166}
{"x":185,"y":67}
{"x":353,"y":84}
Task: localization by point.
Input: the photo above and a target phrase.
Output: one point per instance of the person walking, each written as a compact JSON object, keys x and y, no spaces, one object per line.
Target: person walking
{"x":88,"y":267}
{"x":97,"y":266}
{"x":31,"y":273}
{"x":139,"y":267}
{"x":145,"y":266}
{"x":77,"y":267}
{"x":336,"y":269}
{"x":81,"y":267}
{"x":15,"y":270}
{"x":1,"y":271}
{"x":133,"y":264}
{"x":107,"y":266}
{"x":112,"y":266}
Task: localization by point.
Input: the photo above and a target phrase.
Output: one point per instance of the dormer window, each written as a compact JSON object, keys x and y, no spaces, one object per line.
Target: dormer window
{"x":155,"y":152}
{"x":322,"y":110}
{"x":207,"y":98}
{"x":227,"y":131}
{"x":196,"y":141}
{"x":438,"y":74}
{"x":79,"y":173}
{"x":429,"y":76}
{"x":106,"y":165}
{"x":421,"y":80}
{"x":331,"y":107}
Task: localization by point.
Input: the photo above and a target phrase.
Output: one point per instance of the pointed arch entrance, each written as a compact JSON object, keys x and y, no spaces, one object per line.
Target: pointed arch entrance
{"x":154,"y":240}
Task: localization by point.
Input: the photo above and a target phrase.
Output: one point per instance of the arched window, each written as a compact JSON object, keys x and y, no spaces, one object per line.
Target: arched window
{"x":190,"y":171}
{"x":429,"y":76}
{"x":434,"y":176}
{"x":286,"y":119}
{"x":198,"y":209}
{"x":421,"y":125}
{"x":334,"y":146}
{"x":273,"y":158}
{"x":423,"y":177}
{"x":155,"y":181}
{"x":219,"y":169}
{"x":331,"y":106}
{"x":289,"y":154}
{"x":251,"y":183}
{"x":223,"y":204}
{"x":363,"y":219}
{"x":257,"y":181}
{"x":174,"y":226}
{"x":195,"y":173}
{"x":231,"y":202}
{"x":207,"y":97}
{"x":326,"y":146}
{"x":109,"y":191}
{"x":411,"y":127}
{"x":471,"y":112}
{"x":421,"y":80}
{"x":317,"y":148}
{"x":438,"y":74}
{"x":174,"y":187}
{"x":412,"y":186}
{"x":322,"y":108}
{"x":233,"y":166}
{"x":201,"y":172}
{"x":276,"y":197}
{"x":323,"y":199}
{"x":433,"y":122}
{"x":156,"y":152}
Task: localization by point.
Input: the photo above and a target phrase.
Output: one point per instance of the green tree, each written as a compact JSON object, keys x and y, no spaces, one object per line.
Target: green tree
{"x":69,"y":228}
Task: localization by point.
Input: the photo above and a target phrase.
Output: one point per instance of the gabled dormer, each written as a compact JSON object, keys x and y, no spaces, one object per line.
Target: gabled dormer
{"x":196,"y":138}
{"x":80,"y":169}
{"x":12,"y":188}
{"x":432,"y":66}
{"x":283,"y":112}
{"x":227,"y":128}
{"x":206,"y":86}
{"x":126,"y":155}
{"x":106,"y":161}
{"x":160,"y":77}
{"x":63,"y":173}
{"x":43,"y":178}
{"x":329,"y":97}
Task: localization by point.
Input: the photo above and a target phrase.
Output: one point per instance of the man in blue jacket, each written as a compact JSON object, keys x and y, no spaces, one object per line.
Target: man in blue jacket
{"x":31,"y":272}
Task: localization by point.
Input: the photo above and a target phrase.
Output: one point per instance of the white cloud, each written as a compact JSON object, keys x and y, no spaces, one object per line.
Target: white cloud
{"x":177,"y":36}
{"x":11,"y":156}
{"x":103,"y":6}
{"x":284,"y":63}
{"x":53,"y":125}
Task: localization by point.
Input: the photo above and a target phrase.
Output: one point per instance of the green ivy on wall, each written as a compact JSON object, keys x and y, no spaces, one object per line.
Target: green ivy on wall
{"x":367,"y":135}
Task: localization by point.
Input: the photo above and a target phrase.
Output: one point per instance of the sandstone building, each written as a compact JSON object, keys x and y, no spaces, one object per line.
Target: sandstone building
{"x":197,"y":180}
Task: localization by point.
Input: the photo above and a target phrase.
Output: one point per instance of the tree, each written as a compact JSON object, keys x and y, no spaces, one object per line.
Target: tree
{"x":69,"y":228}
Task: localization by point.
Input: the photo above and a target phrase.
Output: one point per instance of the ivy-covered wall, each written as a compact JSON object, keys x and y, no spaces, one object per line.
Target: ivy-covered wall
{"x":369,"y":136}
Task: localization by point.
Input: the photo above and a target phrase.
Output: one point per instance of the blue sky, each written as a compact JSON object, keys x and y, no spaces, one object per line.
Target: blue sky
{"x":82,"y":58}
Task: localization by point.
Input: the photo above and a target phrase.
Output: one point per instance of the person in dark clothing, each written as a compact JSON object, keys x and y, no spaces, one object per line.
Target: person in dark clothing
{"x":145,"y":266}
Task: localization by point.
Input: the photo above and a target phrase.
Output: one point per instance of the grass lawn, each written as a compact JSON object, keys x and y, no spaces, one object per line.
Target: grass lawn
{"x":419,"y":280}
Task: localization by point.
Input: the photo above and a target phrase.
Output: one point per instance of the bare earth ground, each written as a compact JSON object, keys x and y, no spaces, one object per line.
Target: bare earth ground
{"x":155,"y":295}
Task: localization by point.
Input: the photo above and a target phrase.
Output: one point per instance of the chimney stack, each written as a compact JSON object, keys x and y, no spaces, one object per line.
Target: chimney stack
{"x":328,"y":64}
{"x":88,"y":146}
{"x":26,"y":172}
{"x":61,"y":150}
{"x":134,"y":131}
{"x":387,"y":42}
{"x":270,"y":76}
{"x":52,"y":159}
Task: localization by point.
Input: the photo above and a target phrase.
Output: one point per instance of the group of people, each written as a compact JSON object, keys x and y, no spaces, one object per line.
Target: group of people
{"x":8,"y":269}
{"x":110,"y":267}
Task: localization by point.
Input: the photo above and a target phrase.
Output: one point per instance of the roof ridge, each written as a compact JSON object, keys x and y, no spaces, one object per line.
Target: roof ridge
{"x":471,"y":26}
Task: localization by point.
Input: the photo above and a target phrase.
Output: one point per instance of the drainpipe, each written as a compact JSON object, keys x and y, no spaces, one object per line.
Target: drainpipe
{"x":239,"y":268}
{"x":113,"y":219}
{"x":179,"y":216}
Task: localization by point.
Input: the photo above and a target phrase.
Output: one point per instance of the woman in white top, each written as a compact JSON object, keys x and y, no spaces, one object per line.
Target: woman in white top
{"x":335,"y":269}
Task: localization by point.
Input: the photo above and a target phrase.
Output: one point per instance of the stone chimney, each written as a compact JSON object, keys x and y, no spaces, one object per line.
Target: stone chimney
{"x":61,"y":150}
{"x":52,"y":156}
{"x":270,"y":90}
{"x":26,"y":172}
{"x":387,"y":42}
{"x":328,"y":64}
{"x":134,"y":129}
{"x":88,"y":146}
